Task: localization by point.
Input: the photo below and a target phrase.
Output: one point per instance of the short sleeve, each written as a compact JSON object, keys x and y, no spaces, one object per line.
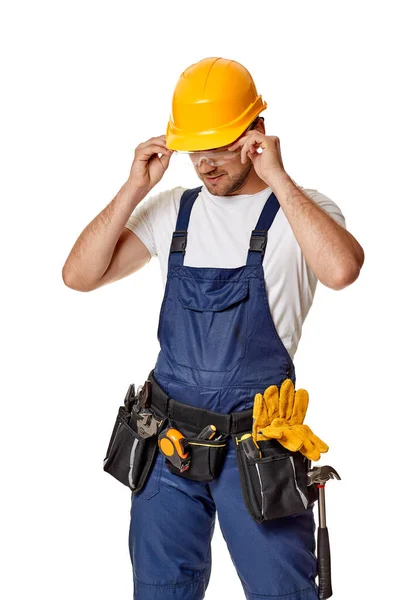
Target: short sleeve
{"x":141,"y":223}
{"x":154,"y":218}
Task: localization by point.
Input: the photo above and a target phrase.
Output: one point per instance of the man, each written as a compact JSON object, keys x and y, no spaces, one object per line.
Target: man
{"x":239,"y":281}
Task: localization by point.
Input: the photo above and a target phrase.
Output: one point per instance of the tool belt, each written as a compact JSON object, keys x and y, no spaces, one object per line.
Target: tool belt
{"x":273,"y":485}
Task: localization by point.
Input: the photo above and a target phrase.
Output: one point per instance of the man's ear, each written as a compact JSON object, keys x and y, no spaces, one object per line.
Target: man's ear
{"x":260,"y":125}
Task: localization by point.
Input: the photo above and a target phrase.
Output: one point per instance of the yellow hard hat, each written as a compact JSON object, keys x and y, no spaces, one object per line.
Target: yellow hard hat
{"x":214,"y":102}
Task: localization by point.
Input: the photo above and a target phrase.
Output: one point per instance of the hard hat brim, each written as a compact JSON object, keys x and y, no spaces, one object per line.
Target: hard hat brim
{"x":193,"y":141}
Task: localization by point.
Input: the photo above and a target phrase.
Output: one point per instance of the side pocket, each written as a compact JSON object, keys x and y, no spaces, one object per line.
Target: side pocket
{"x":274,"y":485}
{"x":129,"y":457}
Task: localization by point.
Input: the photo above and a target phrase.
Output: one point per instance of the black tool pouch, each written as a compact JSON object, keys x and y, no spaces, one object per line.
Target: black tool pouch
{"x":130,"y":456}
{"x":206,"y":456}
{"x":274,"y":485}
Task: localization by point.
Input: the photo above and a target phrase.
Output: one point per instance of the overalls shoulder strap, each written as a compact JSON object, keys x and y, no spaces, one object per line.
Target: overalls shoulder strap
{"x":259,"y":235}
{"x":179,"y":237}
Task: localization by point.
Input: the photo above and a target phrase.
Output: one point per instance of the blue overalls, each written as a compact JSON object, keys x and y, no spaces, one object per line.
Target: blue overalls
{"x":219,"y":347}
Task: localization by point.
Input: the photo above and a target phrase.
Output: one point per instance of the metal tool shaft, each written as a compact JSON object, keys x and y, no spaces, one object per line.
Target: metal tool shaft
{"x":321,"y":506}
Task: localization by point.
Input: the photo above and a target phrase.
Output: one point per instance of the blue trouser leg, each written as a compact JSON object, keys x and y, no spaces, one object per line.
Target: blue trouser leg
{"x":273,"y":559}
{"x":172,"y":523}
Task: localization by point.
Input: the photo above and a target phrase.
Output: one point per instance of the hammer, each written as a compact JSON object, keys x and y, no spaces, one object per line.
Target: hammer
{"x":319,"y":476}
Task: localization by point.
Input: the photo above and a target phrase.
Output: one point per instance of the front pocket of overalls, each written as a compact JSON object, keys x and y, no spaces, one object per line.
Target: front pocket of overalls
{"x":210,"y":324}
{"x":275,"y":485}
{"x":129,"y":457}
{"x":206,"y":459}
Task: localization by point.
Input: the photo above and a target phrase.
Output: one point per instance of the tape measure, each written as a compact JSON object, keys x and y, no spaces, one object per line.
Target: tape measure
{"x":175,"y":447}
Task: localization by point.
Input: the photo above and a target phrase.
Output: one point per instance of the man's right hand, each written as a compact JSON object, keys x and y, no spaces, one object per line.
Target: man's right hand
{"x":148,"y":168}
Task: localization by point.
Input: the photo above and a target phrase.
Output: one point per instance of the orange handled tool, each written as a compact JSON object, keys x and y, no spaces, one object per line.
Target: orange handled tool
{"x":175,"y":447}
{"x":250,"y":447}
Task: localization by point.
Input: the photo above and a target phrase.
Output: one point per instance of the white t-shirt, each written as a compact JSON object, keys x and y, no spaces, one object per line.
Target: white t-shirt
{"x":219,"y":235}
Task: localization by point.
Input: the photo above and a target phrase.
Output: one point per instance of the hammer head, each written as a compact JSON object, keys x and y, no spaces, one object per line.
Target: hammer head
{"x":321,"y":474}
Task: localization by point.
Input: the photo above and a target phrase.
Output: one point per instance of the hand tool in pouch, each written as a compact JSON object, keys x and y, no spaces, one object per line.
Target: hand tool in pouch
{"x":207,"y":433}
{"x":250,"y":447}
{"x":175,"y":447}
{"x":130,"y":398}
{"x":319,"y":476}
{"x":147,"y":424}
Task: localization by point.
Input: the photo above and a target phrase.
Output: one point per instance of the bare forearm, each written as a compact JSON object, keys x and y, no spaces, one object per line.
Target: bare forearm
{"x":93,"y":250}
{"x":333,"y":254}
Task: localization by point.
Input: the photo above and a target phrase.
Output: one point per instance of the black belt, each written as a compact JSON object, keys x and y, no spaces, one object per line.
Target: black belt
{"x":227,"y":423}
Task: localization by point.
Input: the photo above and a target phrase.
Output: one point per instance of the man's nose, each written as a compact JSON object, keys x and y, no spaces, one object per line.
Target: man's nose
{"x":204,"y":167}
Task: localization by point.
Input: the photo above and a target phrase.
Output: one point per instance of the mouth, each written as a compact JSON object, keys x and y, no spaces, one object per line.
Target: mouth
{"x":213,"y":179}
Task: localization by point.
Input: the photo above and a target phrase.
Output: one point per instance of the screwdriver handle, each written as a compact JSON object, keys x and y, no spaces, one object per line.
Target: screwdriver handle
{"x":207,"y":433}
{"x":250,"y":447}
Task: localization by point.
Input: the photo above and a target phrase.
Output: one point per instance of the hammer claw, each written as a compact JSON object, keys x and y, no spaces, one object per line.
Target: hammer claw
{"x":322,"y":474}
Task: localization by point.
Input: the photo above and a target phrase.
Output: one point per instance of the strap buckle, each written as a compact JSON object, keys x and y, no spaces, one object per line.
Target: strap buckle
{"x":258,"y":240}
{"x":179,"y":240}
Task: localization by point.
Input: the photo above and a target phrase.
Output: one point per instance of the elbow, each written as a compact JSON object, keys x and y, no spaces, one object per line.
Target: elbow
{"x":348,"y":275}
{"x":74,"y":283}
{"x":344,"y":280}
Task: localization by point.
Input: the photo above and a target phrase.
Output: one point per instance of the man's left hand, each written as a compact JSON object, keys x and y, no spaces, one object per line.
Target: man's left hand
{"x":264,"y":152}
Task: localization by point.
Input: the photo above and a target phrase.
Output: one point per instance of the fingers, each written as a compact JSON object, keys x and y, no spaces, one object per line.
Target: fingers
{"x":291,"y":441}
{"x":286,"y":399}
{"x":318,"y":443}
{"x":309,"y":450}
{"x":236,"y":144}
{"x":164,"y":160}
{"x":307,"y":446}
{"x":271,"y":432}
{"x":279,"y":422}
{"x":300,"y":406}
{"x":239,"y":142}
{"x":158,"y":139}
{"x":146,"y":152}
{"x":305,"y":432}
{"x":271,"y":399}
{"x":288,"y":438}
{"x":155,"y":145}
{"x":249,"y":142}
{"x":295,"y":438}
{"x":257,"y":409}
{"x":312,"y":444}
{"x":249,"y":148}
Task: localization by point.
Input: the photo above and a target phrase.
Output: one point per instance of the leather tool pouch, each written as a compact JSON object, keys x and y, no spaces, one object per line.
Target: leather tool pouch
{"x":275,"y":485}
{"x":206,"y":456}
{"x":130,"y":456}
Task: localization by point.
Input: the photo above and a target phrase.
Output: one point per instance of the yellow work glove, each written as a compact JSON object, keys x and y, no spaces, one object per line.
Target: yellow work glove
{"x":265,"y":409}
{"x":287,"y":425}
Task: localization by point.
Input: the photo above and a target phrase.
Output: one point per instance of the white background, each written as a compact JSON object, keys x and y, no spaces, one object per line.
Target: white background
{"x":84,"y":83}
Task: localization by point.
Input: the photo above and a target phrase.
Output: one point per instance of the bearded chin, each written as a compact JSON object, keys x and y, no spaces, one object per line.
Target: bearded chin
{"x":237,"y":182}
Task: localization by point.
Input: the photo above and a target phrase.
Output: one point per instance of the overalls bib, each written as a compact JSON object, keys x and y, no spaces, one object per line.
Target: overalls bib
{"x":219,"y":347}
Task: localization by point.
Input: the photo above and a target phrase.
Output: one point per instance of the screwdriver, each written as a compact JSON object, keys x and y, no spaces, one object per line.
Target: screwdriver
{"x":250,"y":447}
{"x":207,"y":433}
